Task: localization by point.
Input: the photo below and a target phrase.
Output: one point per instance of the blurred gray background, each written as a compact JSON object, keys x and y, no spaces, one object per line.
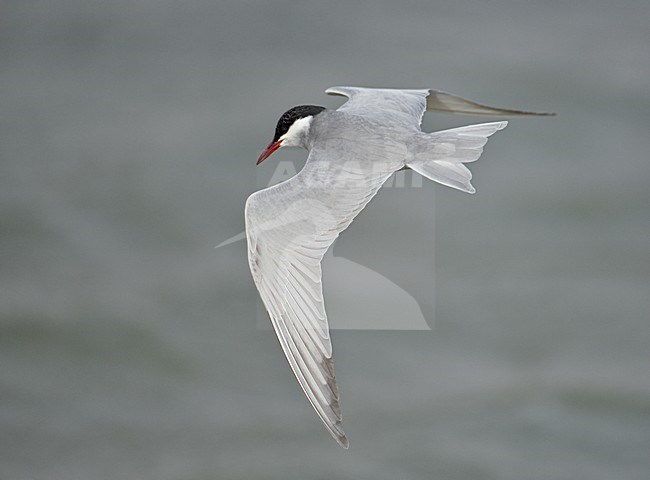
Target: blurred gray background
{"x":129,"y":346}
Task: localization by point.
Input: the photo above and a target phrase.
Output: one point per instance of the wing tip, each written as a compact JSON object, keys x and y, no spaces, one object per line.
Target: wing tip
{"x":338,"y":434}
{"x":343,"y":441}
{"x":440,"y":101}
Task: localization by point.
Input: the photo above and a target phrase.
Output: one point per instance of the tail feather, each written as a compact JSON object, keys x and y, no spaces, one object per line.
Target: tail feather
{"x":440,"y":155}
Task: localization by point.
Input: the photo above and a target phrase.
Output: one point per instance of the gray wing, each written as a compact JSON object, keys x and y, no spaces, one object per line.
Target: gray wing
{"x":408,"y":106}
{"x":439,"y":101}
{"x":405,"y":107}
{"x":289,"y":228}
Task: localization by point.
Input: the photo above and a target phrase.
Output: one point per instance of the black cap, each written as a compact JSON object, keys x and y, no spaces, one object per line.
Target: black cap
{"x":290,"y":116}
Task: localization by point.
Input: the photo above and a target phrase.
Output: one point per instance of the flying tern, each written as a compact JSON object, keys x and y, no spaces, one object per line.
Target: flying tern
{"x":352,"y":151}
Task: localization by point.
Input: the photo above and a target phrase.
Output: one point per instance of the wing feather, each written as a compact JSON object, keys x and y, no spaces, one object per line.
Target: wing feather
{"x":410,"y":105}
{"x":289,"y":227}
{"x":439,"y":101}
{"x":405,"y":107}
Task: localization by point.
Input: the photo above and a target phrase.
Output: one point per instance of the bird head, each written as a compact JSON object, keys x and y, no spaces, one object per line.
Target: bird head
{"x":291,"y":129}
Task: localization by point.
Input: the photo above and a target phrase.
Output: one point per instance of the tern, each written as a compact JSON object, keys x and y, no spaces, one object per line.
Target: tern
{"x":352,"y":151}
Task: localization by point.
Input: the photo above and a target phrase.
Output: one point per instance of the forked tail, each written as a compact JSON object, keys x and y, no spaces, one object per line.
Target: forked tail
{"x":440,"y":156}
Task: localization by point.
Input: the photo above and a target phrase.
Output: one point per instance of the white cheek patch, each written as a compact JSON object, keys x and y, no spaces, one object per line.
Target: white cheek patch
{"x":297,"y":132}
